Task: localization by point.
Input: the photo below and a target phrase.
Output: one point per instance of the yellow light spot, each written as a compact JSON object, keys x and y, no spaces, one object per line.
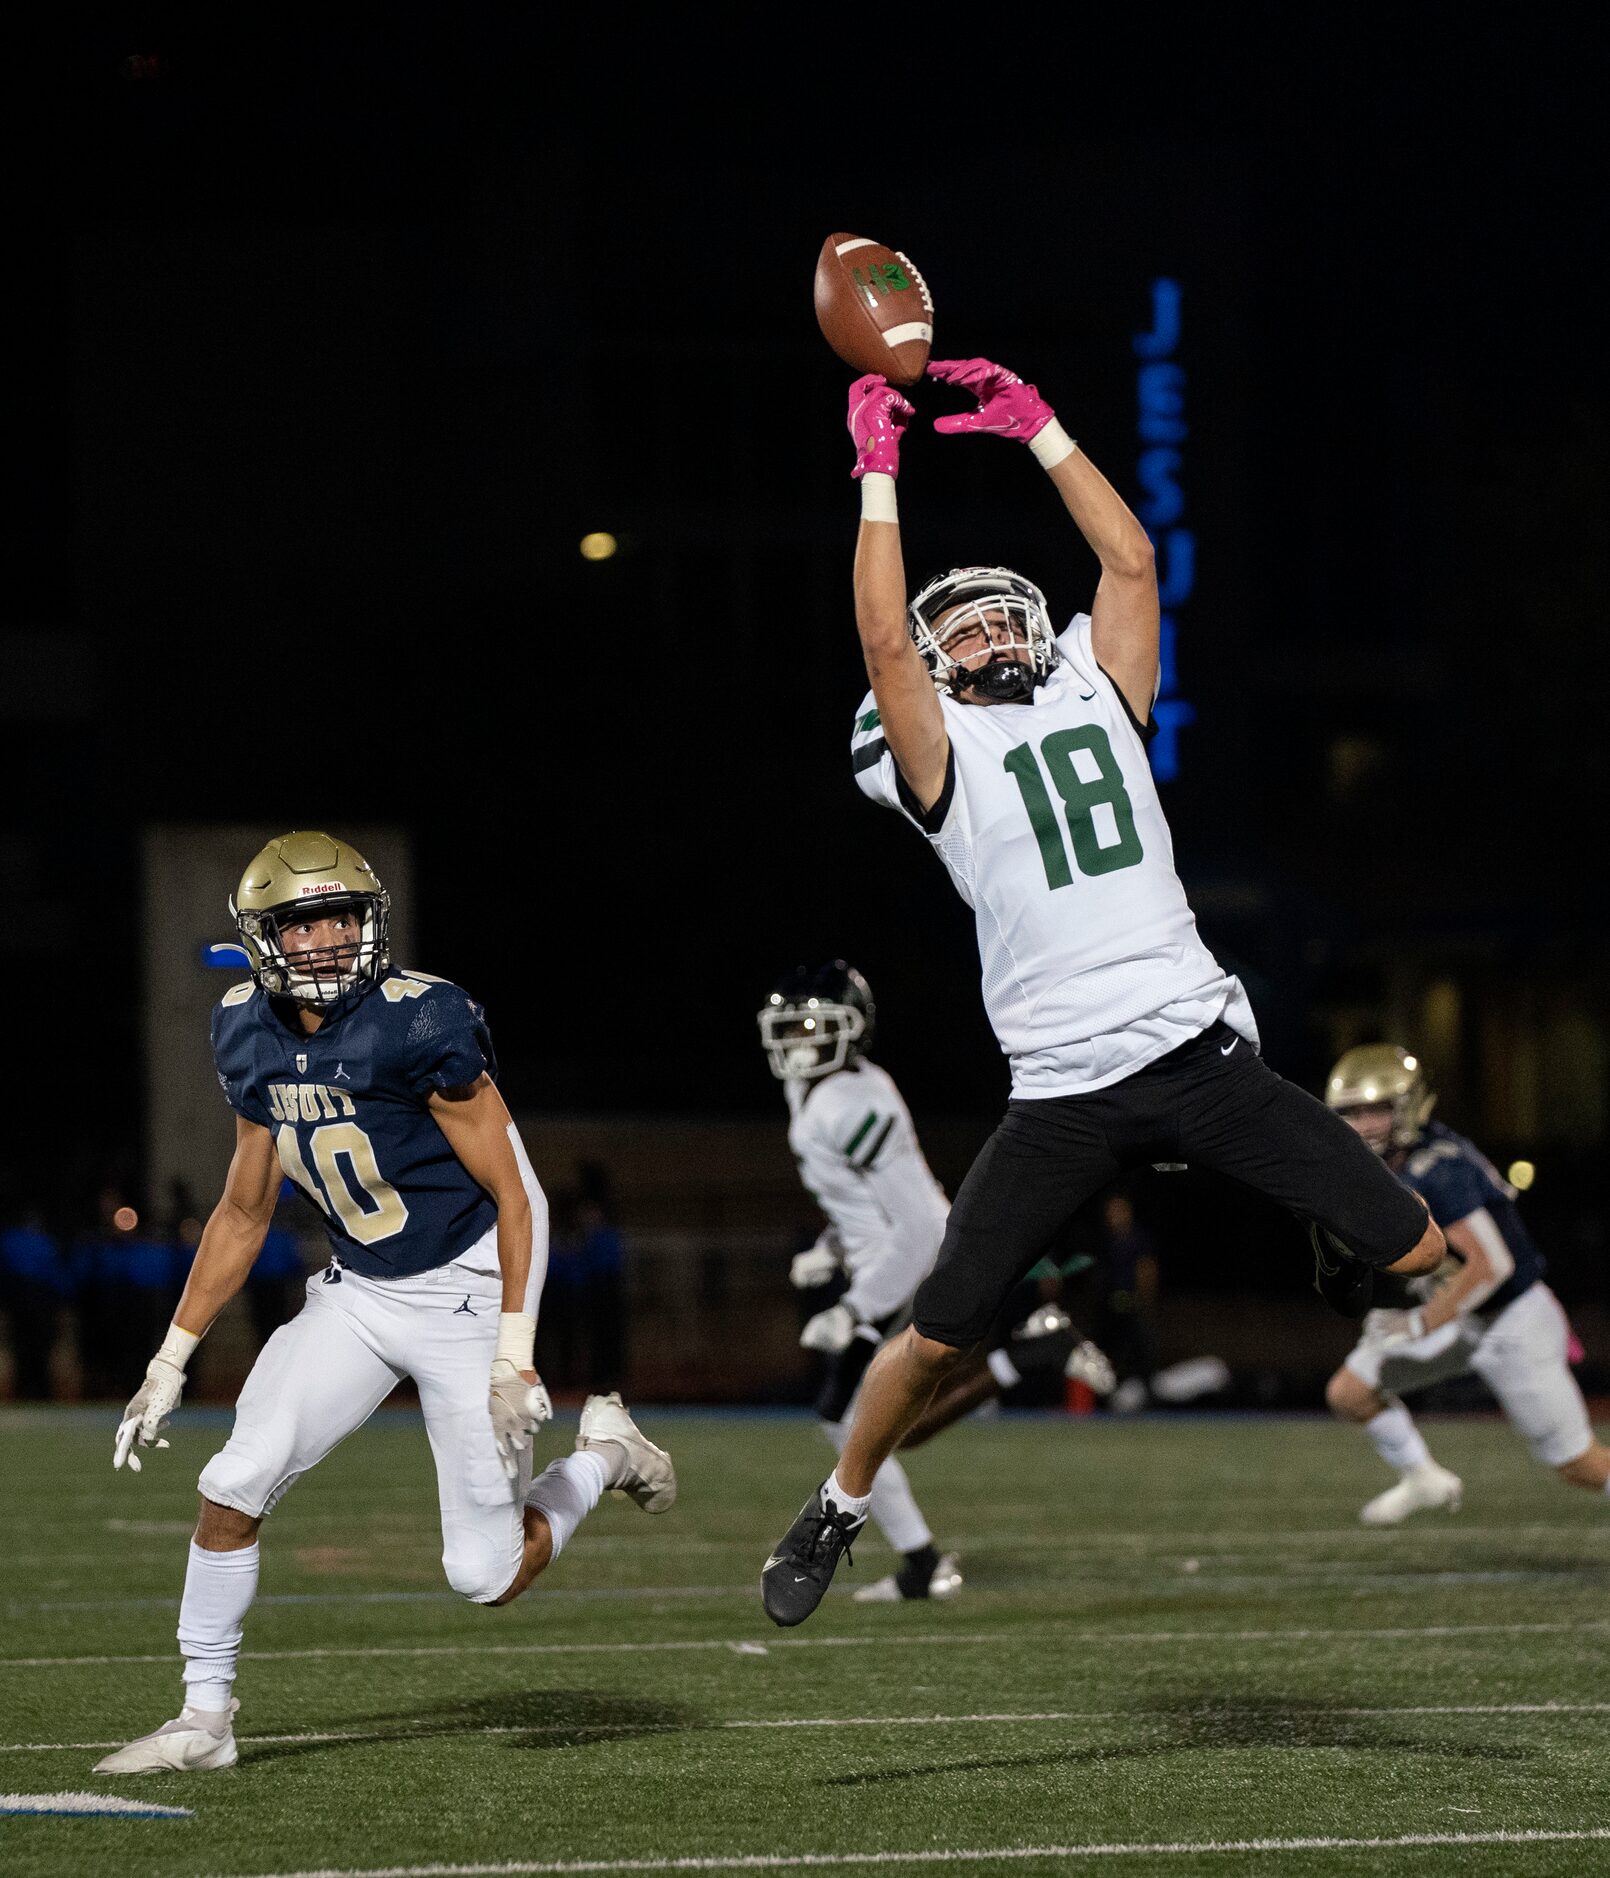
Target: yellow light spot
{"x":598,"y":546}
{"x":1521,"y":1175}
{"x":125,"y":1219}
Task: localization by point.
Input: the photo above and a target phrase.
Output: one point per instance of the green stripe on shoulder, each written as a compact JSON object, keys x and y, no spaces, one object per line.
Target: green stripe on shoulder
{"x":870,"y":754}
{"x":870,"y":722}
{"x":860,"y":1134}
{"x":876,"y":1146}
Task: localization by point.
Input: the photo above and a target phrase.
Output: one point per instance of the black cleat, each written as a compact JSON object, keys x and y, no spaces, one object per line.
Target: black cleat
{"x":795,"y":1578}
{"x":1345,"y":1283}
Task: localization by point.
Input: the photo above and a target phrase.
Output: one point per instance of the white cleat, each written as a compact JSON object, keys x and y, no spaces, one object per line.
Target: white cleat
{"x":1424,"y":1486}
{"x":644,"y":1472}
{"x":194,"y":1742}
{"x":945,"y":1582}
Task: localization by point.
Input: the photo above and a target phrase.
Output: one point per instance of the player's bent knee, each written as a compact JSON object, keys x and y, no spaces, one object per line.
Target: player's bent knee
{"x":478,"y":1570}
{"x":1347,"y":1396}
{"x":938,"y":1358}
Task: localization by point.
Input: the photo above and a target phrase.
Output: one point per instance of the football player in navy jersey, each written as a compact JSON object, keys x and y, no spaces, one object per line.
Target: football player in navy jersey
{"x":373,"y":1089}
{"x":1486,"y":1312}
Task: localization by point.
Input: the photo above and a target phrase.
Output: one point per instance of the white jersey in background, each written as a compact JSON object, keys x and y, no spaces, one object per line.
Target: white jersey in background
{"x":859,"y":1159}
{"x":1054,"y":834}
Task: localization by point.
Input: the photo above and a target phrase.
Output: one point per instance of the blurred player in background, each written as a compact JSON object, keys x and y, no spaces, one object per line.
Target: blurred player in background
{"x":1486,"y":1312}
{"x":373,"y":1089}
{"x":861,"y":1162}
{"x":1022,"y":757}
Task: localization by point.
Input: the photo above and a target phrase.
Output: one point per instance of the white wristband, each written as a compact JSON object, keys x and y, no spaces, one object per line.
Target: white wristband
{"x":1051,"y":445}
{"x":176,"y":1346}
{"x":517,"y":1337}
{"x":878,"y":502}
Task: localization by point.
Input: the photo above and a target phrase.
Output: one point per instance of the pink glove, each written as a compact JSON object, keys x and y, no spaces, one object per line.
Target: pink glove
{"x":878,"y":419}
{"x":1006,"y":406}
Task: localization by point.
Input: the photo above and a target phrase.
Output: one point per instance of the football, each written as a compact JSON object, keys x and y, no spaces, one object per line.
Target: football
{"x":874,"y":308}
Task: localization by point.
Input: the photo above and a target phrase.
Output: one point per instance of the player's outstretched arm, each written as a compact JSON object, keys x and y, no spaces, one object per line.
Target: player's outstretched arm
{"x":1488,"y":1261}
{"x":230,"y":1242}
{"x":1124,"y":618}
{"x":482,"y":1134}
{"x":912,"y":723}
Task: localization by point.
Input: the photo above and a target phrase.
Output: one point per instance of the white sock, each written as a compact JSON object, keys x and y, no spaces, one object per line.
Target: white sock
{"x":895,"y":1509}
{"x":1606,"y":1487}
{"x":844,"y":1500}
{"x":218,"y":1592}
{"x":1398,"y":1442}
{"x":895,"y":1512}
{"x":566,"y":1491}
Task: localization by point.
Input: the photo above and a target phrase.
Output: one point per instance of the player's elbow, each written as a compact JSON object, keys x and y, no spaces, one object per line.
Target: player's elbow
{"x":1133,"y":558}
{"x":1426,"y":1255}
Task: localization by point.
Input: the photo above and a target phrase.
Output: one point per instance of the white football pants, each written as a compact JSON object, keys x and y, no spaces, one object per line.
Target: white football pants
{"x":326,"y":1372}
{"x":1520,"y":1355}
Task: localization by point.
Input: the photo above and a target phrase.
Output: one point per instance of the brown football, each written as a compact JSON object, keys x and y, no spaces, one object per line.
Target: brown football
{"x":874,"y":308}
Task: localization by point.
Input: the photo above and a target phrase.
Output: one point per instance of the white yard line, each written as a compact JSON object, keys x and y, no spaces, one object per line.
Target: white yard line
{"x":1127,"y":1639}
{"x":979,"y":1719}
{"x":1299,"y":1581}
{"x":959,"y":1855}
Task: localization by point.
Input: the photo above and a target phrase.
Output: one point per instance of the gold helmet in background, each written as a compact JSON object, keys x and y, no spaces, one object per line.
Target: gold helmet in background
{"x":1383,"y":1072}
{"x":310,"y":875}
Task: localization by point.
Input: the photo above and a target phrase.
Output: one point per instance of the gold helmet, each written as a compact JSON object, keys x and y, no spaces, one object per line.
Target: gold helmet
{"x":304,"y":875}
{"x":1382,"y":1072}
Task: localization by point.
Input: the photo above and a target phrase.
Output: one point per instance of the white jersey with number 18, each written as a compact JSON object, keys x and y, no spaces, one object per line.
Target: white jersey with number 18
{"x":1051,"y":828}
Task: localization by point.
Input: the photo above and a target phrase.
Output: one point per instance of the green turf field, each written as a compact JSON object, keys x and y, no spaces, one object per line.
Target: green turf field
{"x":1173,"y":1637}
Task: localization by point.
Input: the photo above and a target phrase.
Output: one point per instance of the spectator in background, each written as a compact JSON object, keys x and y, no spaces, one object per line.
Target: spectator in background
{"x":581,"y":1333}
{"x":558,"y":1319}
{"x":33,"y":1287}
{"x":1126,"y":1291}
{"x":127,"y":1283}
{"x":601,"y":1261}
{"x":275,"y":1284}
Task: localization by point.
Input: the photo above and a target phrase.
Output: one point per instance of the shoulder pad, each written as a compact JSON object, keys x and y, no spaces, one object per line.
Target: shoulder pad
{"x":1422,"y":1160}
{"x":402,"y":985}
{"x":237,"y":994}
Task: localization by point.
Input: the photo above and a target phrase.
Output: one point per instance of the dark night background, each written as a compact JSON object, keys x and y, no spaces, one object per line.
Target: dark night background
{"x":329,"y":348}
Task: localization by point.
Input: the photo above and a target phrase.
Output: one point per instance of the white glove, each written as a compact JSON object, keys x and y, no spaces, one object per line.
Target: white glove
{"x":831,"y":1330}
{"x":1090,"y":1366}
{"x":519,"y":1408}
{"x":148,"y":1411}
{"x":816,"y":1266}
{"x":1392,"y":1327}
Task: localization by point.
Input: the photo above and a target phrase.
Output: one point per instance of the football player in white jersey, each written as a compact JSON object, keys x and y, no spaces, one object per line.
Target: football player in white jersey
{"x":1487,"y":1313}
{"x":860,"y":1161}
{"x":374,"y":1090}
{"x":1021,"y":755}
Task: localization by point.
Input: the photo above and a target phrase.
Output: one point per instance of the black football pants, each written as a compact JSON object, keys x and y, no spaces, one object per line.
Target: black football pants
{"x":1213,"y":1103}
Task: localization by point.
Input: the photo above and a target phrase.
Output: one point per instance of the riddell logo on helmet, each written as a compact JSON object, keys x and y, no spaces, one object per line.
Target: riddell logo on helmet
{"x":326,"y":886}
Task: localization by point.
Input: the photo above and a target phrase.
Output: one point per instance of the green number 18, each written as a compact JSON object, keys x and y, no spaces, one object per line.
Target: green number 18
{"x":1099,"y":847}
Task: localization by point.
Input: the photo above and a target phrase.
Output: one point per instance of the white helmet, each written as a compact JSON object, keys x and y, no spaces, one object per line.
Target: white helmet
{"x":970,"y":596}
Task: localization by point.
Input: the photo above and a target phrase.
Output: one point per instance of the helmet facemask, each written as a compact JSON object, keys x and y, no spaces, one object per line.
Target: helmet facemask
{"x":809,"y":1038}
{"x":322,"y":977}
{"x":988,"y":599}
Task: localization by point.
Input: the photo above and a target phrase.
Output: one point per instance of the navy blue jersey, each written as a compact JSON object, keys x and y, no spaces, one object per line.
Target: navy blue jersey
{"x":349,"y":1109}
{"x":1454,"y":1178}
